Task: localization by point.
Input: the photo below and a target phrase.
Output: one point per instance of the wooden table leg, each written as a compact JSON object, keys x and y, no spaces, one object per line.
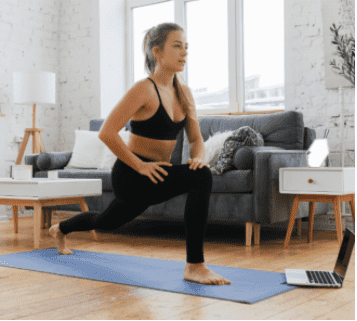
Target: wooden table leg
{"x":293,"y":214}
{"x":84,"y":208}
{"x":298,"y":227}
{"x":311,"y":220}
{"x":37,"y":224}
{"x":338,"y":219}
{"x":15,"y":214}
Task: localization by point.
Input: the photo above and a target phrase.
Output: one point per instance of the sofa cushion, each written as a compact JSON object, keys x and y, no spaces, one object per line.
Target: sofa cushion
{"x":52,"y":160}
{"x":282,"y":129}
{"x":230,"y":182}
{"x":88,"y":150}
{"x":108,"y":157}
{"x":104,"y":174}
{"x":243,"y":158}
{"x":233,"y":181}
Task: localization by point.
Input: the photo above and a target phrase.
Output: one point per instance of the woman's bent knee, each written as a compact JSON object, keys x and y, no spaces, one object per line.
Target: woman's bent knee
{"x":203,"y":174}
{"x":205,"y":171}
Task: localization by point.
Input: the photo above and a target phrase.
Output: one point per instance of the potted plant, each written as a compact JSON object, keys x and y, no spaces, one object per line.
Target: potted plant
{"x":346,"y":50}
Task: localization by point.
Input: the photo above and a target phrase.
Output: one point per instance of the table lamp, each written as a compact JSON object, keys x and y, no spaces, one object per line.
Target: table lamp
{"x":33,"y":88}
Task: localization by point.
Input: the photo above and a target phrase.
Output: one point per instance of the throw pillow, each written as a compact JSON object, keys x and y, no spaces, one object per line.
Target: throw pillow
{"x":109,"y":158}
{"x":53,"y":160}
{"x":88,"y":150}
{"x":242,"y":136}
{"x":243,"y":158}
{"x":213,"y":146}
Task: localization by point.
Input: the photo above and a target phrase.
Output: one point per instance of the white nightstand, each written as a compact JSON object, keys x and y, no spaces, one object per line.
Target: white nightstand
{"x":318,"y":184}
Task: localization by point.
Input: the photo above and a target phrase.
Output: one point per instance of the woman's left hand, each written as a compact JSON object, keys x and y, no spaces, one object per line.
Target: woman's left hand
{"x":196,"y":162}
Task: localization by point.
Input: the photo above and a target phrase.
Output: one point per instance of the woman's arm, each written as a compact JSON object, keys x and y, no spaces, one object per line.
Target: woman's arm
{"x":132,"y":101}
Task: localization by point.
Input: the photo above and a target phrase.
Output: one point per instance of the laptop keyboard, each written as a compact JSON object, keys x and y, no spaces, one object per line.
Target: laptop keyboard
{"x":320,"y":277}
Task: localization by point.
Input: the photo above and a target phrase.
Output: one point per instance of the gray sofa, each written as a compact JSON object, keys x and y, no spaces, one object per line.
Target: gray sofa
{"x":247,"y":194}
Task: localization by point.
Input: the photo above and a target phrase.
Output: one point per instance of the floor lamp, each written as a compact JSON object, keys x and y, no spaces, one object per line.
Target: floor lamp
{"x":33,"y":88}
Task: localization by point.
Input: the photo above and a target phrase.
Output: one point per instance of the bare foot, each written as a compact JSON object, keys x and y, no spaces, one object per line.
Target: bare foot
{"x":60,"y":238}
{"x":202,"y":274}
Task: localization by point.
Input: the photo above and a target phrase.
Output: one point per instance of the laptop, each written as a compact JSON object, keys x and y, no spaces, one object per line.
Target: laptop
{"x":326,"y":278}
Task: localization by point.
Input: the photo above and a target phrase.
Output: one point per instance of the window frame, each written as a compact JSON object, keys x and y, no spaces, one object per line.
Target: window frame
{"x":235,"y":53}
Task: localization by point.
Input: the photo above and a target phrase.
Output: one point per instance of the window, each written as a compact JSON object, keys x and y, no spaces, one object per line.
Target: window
{"x":236,"y":50}
{"x":145,"y":17}
{"x":207,"y":61}
{"x":263,"y":54}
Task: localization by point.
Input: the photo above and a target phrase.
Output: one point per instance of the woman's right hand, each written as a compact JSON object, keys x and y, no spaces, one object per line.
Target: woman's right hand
{"x":152,"y":170}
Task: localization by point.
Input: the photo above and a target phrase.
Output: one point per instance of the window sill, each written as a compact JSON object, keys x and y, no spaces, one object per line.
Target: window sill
{"x":247,"y":113}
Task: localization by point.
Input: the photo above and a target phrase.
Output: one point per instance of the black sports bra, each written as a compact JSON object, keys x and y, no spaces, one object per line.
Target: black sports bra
{"x":160,"y":126}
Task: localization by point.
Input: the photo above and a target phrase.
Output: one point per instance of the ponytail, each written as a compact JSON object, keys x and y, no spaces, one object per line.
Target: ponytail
{"x":188,"y":105}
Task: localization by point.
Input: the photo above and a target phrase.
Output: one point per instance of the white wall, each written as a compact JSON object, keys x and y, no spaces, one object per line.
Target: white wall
{"x":305,"y":83}
{"x":29,"y":40}
{"x":112,"y":53}
{"x":79,"y":82}
{"x":3,"y":130}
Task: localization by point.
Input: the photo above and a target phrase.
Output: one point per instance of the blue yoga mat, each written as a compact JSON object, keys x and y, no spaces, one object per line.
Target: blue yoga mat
{"x":248,"y":286}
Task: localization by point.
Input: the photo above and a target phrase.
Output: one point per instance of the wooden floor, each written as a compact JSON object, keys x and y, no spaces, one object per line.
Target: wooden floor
{"x":34,"y":295}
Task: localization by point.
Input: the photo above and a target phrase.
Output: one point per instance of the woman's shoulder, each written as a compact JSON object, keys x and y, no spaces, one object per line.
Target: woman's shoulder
{"x":143,"y":83}
{"x":141,"y":87}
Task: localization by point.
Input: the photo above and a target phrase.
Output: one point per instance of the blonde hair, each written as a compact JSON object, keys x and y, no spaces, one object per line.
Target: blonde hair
{"x":157,"y":36}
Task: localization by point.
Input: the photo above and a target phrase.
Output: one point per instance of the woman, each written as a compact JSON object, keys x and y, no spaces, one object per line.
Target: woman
{"x":142,"y":175}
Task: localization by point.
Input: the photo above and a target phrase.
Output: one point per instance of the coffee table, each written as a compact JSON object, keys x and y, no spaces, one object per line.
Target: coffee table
{"x":42,"y":192}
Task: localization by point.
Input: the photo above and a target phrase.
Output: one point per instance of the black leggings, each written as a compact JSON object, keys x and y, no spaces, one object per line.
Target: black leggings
{"x":134,"y":193}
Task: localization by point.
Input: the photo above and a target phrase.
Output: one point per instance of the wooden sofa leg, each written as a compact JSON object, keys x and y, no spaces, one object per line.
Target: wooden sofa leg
{"x":43,"y":218}
{"x":256,"y":234}
{"x":49,"y":218}
{"x":248,"y":233}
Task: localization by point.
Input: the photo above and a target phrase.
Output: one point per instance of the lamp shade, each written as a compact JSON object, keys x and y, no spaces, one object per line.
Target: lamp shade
{"x":34,"y":87}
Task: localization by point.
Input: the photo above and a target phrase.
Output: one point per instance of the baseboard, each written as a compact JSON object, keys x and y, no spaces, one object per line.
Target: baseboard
{"x":21,"y":217}
{"x":3,"y":218}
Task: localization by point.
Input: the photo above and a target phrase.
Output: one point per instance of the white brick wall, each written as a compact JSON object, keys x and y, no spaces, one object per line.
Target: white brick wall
{"x":305,"y":85}
{"x":61,"y":36}
{"x":28,"y":41}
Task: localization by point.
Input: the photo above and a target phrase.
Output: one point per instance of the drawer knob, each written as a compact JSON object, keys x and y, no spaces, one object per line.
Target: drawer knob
{"x":310,"y":180}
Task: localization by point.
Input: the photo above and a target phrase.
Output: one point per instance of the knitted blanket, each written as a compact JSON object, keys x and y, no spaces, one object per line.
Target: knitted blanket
{"x":243,"y":136}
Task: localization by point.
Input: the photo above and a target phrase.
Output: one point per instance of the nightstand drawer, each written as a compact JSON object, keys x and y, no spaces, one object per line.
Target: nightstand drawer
{"x":319,"y":180}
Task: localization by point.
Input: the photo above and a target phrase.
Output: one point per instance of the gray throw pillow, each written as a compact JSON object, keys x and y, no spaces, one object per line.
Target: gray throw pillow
{"x":48,"y":161}
{"x":243,"y":158}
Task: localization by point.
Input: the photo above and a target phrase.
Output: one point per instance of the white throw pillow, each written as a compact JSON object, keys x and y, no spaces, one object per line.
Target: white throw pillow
{"x":88,"y":150}
{"x":213,"y":146}
{"x":109,"y":158}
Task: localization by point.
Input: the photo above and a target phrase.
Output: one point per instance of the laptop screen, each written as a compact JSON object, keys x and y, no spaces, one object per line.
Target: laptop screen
{"x":345,"y":253}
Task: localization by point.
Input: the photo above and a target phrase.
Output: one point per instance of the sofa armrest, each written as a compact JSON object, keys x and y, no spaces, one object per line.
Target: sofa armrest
{"x":48,"y":156}
{"x":31,"y":160}
{"x":53,"y":160}
{"x":269,"y":205}
{"x":309,"y":137}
